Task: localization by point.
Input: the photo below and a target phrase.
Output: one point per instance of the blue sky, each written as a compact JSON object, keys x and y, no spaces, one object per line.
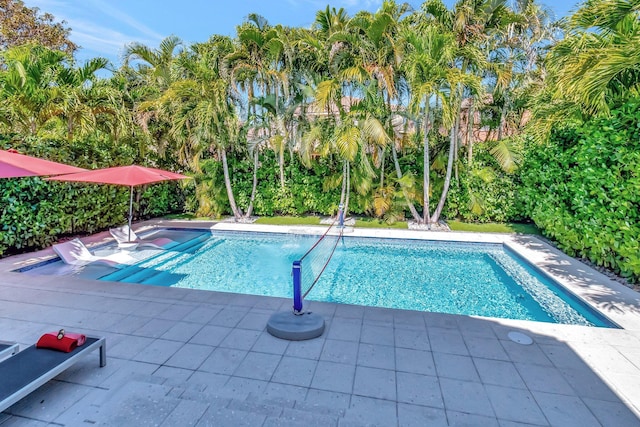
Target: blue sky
{"x":104,"y":27}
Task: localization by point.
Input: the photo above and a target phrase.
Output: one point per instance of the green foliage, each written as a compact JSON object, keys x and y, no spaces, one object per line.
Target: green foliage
{"x":583,"y":189}
{"x":35,"y":213}
{"x":304,"y":193}
{"x":492,"y":227}
{"x":158,"y":199}
{"x":484,"y":193}
{"x":183,"y":110}
{"x":27,"y":213}
{"x":20,"y":24}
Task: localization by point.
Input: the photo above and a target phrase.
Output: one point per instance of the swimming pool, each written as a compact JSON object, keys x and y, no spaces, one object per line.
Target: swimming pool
{"x":457,"y":278}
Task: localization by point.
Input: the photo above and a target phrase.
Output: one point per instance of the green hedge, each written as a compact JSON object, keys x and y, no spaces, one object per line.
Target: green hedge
{"x":484,"y":193}
{"x":583,"y":190}
{"x":35,"y":213}
{"x":303,"y":194}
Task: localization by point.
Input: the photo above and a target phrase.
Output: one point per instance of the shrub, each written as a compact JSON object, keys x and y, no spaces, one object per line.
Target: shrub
{"x":484,"y":193}
{"x":582,"y":189}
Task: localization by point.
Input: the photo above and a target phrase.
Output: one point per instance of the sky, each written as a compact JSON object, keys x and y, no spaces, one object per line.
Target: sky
{"x":104,"y":27}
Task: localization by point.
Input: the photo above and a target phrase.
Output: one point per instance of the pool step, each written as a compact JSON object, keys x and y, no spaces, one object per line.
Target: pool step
{"x":192,"y":245}
{"x":152,"y":276}
{"x":160,"y":276}
{"x":151,"y":267}
{"x":152,"y":271}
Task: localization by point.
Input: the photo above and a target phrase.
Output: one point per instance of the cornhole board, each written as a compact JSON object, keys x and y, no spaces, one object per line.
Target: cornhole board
{"x":32,"y":367}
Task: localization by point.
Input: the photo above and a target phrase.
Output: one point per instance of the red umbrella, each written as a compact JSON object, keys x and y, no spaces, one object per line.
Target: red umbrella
{"x":14,"y":165}
{"x":122,"y":175}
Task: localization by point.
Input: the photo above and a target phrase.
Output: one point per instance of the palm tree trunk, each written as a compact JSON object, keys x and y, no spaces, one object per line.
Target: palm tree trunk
{"x":456,"y":143}
{"x":447,"y":180}
{"x":237,"y":214}
{"x":412,"y":208}
{"x":69,"y":129}
{"x":384,"y":152}
{"x":346,"y":201}
{"x":458,"y":121}
{"x":283,"y":130}
{"x":281,"y":163}
{"x":503,"y":119}
{"x":426,"y":168}
{"x":470,"y":123}
{"x":344,"y":182}
{"x":255,"y":184}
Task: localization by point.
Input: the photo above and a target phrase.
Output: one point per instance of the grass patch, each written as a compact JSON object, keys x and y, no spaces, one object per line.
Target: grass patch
{"x":289,"y":220}
{"x":315,"y":220}
{"x":376,"y":223}
{"x":188,"y":217}
{"x":494,"y":227}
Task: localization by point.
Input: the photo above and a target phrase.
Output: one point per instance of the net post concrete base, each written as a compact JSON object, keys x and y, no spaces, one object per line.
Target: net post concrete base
{"x":295,"y":327}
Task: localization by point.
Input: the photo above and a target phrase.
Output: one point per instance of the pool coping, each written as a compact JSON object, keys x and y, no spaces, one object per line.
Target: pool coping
{"x":616,"y":302}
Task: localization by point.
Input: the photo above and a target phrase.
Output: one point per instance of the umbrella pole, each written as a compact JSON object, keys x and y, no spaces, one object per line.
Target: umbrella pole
{"x":130,"y":211}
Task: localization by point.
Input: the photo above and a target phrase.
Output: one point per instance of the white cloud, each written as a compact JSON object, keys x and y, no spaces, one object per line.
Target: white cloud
{"x":104,"y":40}
{"x":371,"y":5}
{"x":126,"y":19}
{"x":87,"y":30}
{"x":362,"y":4}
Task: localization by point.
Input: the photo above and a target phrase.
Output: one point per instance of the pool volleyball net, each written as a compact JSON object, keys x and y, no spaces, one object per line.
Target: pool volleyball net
{"x":307,"y":270}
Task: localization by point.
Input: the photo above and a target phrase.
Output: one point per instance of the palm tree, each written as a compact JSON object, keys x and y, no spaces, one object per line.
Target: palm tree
{"x":248,"y":67}
{"x":27,"y":88}
{"x":43,"y":91}
{"x":455,"y":79}
{"x":517,"y":71}
{"x":333,"y":30}
{"x":200,"y":109}
{"x":428,"y":67}
{"x":474,"y":23}
{"x":380,"y":49}
{"x":120,"y":123}
{"x":81,"y":97}
{"x":149,"y":73}
{"x":290,"y":90}
{"x":599,"y":58}
{"x":155,"y":64}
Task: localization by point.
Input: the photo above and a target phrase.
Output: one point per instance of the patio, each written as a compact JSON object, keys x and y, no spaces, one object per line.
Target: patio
{"x":185,"y":357}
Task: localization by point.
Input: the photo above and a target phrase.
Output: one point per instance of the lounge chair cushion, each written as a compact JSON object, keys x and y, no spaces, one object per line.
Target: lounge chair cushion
{"x":61,"y":341}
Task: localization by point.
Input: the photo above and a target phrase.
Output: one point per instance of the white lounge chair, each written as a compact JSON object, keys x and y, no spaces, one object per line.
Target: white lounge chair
{"x":74,"y":252}
{"x":125,"y":237}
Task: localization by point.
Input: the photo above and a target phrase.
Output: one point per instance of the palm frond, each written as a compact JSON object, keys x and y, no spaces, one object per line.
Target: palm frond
{"x":347,"y":142}
{"x":506,"y":154}
{"x":374,"y":130}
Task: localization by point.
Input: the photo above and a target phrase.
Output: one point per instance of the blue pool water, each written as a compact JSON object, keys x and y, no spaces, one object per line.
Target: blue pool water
{"x":457,"y":278}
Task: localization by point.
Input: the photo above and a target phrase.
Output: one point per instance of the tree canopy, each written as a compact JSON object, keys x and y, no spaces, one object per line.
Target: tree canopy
{"x":21,"y":25}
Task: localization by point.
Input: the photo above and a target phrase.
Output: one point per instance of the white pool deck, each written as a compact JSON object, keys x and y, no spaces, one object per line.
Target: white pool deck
{"x":179,"y":357}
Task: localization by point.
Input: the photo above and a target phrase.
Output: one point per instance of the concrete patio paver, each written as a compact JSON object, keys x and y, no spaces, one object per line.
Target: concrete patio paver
{"x":188,"y":357}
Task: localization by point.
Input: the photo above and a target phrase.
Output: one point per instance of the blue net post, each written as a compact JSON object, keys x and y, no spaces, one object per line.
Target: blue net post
{"x":341,"y":215}
{"x":297,"y":287}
